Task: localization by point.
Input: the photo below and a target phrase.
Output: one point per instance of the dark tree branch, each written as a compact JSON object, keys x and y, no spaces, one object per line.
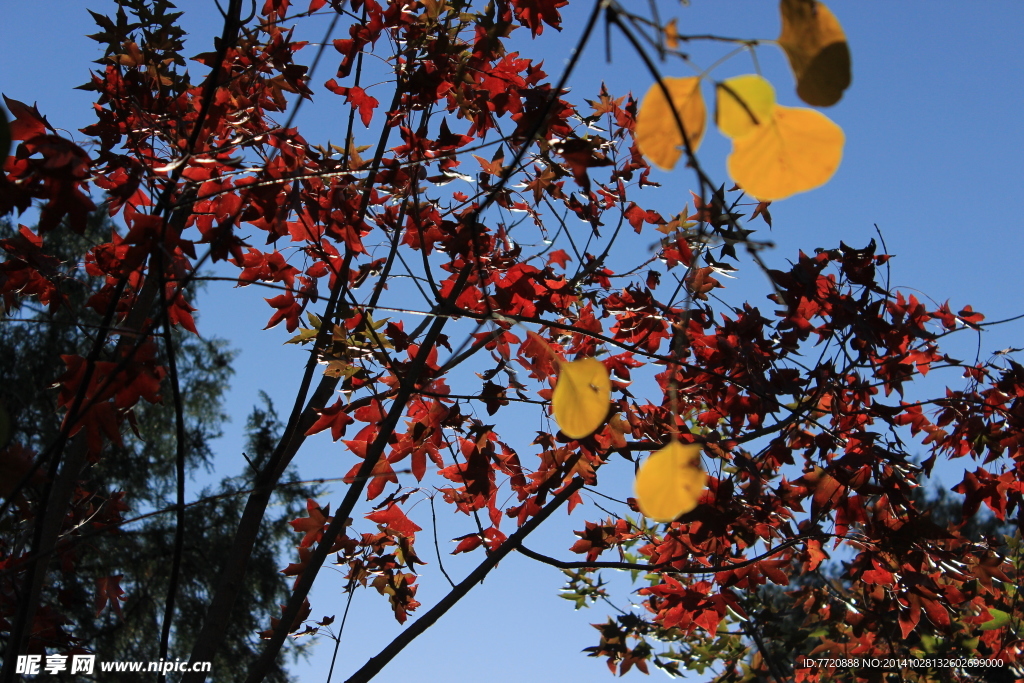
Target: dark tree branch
{"x":666,"y":567}
{"x":376,"y":449}
{"x":341,"y":517}
{"x":430,"y":617}
{"x":223,"y":601}
{"x":179,"y":464}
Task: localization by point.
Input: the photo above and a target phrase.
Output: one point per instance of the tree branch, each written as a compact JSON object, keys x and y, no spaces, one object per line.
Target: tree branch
{"x":666,"y":567}
{"x":381,"y":659}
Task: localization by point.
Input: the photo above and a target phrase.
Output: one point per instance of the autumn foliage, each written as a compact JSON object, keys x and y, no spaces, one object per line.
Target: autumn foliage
{"x":478,"y":246}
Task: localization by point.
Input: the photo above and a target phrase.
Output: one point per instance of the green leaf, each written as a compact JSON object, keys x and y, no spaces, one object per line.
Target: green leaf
{"x":999,"y":619}
{"x":303,"y":336}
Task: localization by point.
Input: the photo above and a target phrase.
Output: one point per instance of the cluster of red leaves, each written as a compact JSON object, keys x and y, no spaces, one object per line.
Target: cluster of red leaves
{"x":376,"y":559}
{"x":909,"y":577}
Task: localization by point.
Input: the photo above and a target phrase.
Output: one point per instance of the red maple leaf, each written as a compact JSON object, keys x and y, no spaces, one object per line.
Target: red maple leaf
{"x":580,"y":155}
{"x":535,"y":13}
{"x":492,"y":167}
{"x":299,"y":618}
{"x":467,"y":543}
{"x":394,"y":519}
{"x":28,"y":122}
{"x":559,"y":257}
{"x":334,"y":417}
{"x":108,"y":589}
{"x":637,"y":217}
{"x":357,"y":97}
{"x":312,"y":526}
{"x":970,"y":316}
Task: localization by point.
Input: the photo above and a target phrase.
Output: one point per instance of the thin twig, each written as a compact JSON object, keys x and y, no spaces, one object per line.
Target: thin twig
{"x":179,"y":464}
{"x":437,"y":548}
{"x":413,"y":630}
{"x":666,"y":567}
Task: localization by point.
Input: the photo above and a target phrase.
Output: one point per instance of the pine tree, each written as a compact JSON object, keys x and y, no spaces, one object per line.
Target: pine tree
{"x":138,"y":476}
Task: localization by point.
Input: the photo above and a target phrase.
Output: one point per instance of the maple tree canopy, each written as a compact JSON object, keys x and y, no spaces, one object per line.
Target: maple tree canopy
{"x":473,"y":226}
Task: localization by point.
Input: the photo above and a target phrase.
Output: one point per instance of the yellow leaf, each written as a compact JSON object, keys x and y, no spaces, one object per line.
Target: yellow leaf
{"x":795,"y":151}
{"x":672,"y":35}
{"x":742,"y":104}
{"x":657,"y":131}
{"x":670,"y":482}
{"x":816,"y":47}
{"x":581,"y":395}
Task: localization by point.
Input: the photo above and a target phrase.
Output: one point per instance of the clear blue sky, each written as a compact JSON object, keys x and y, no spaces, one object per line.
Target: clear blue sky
{"x":933,"y":156}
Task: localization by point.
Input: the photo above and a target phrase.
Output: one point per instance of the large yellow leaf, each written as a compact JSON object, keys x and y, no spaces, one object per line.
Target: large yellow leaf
{"x":795,"y":151}
{"x":816,"y":47}
{"x":657,"y":131}
{"x":742,"y":104}
{"x":581,"y":395}
{"x":670,"y":482}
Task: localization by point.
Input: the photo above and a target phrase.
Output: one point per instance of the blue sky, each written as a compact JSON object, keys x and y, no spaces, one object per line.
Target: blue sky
{"x":934,"y":142}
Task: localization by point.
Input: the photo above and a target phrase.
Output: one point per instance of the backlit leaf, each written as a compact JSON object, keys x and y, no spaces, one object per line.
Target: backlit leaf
{"x":670,"y":482}
{"x":795,"y":151}
{"x":580,"y":399}
{"x":672,"y":35}
{"x":999,"y":619}
{"x":108,"y":590}
{"x":27,"y":122}
{"x":743,"y":103}
{"x":816,"y":47}
{"x":657,"y":130}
